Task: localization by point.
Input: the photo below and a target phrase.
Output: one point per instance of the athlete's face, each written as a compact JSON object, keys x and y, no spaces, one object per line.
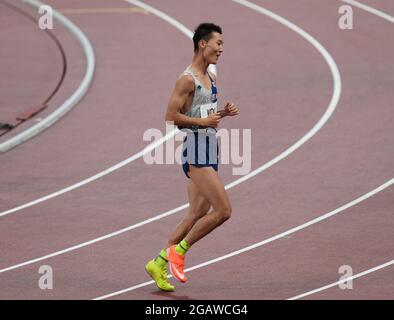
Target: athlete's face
{"x":213,"y":48}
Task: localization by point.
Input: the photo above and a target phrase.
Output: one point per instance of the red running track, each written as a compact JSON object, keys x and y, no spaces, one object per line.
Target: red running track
{"x":283,"y":86}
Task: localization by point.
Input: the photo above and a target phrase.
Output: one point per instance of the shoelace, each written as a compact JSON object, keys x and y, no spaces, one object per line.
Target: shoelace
{"x":164,"y":274}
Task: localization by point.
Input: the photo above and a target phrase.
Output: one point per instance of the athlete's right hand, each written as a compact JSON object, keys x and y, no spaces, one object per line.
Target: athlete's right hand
{"x":212,"y":120}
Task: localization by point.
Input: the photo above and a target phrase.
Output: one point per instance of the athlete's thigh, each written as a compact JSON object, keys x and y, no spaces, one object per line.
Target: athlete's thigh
{"x":210,"y":186}
{"x":199,"y":205}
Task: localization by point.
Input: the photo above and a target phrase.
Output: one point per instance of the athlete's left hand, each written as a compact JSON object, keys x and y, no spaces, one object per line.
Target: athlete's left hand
{"x":231,"y":109}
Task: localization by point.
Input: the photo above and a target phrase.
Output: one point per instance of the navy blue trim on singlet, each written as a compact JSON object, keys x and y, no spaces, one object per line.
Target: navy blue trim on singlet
{"x":191,"y":153}
{"x":214,"y":93}
{"x":214,"y":89}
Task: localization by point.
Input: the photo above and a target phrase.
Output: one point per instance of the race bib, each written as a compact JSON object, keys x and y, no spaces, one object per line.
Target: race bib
{"x":207,"y":109}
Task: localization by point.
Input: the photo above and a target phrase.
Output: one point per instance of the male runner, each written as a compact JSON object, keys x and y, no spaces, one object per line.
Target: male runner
{"x":192,"y":107}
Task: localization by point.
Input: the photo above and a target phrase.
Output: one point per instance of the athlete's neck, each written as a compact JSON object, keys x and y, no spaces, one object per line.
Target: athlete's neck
{"x":199,"y":64}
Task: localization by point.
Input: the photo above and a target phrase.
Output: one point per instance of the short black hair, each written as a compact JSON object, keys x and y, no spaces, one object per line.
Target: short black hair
{"x":204,"y":32}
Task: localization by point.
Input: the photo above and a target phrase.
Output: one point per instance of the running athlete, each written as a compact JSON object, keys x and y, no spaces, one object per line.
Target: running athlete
{"x":192,"y":107}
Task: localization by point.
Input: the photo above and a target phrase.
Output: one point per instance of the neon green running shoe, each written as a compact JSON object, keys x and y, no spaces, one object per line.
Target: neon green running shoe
{"x":159,"y":275}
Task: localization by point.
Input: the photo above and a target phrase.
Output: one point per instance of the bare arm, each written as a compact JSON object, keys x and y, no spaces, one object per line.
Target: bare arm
{"x":184,"y":87}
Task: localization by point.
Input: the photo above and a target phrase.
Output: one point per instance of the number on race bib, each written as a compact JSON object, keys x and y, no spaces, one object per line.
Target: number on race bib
{"x":208,"y":109}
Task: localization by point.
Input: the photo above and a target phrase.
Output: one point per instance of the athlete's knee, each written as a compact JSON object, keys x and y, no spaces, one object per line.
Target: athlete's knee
{"x":223,"y":213}
{"x":195,"y":215}
{"x":200,"y":211}
{"x":226,"y":212}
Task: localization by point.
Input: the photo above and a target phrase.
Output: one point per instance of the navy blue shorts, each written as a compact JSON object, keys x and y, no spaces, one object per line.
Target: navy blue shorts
{"x":200,"y":149}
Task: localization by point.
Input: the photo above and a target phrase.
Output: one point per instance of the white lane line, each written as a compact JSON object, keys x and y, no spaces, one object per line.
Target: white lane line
{"x":305,"y":138}
{"x":336,"y":90}
{"x":87,"y":243}
{"x":370,"y":10}
{"x":326,"y":216}
{"x":358,"y":275}
{"x":170,"y":20}
{"x":134,"y":157}
{"x":162,"y":16}
{"x":264,"y":242}
{"x":73,"y":100}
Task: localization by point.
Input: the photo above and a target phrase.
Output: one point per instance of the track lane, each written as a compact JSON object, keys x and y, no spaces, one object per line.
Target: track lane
{"x":367,"y":140}
{"x":101,"y":218}
{"x":302,"y":260}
